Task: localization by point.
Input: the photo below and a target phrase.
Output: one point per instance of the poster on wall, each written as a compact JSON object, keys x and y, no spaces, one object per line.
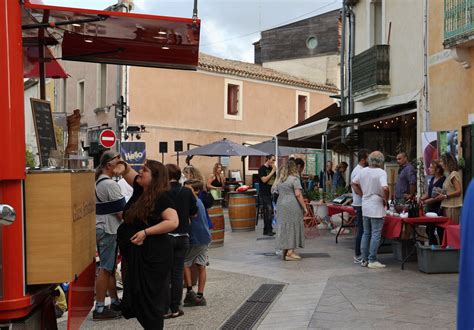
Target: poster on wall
{"x":434,"y":144}
{"x":448,"y":142}
{"x":133,"y":153}
{"x":429,"y":144}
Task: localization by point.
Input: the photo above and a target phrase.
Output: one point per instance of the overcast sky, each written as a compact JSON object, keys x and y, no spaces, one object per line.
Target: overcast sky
{"x":229,"y":27}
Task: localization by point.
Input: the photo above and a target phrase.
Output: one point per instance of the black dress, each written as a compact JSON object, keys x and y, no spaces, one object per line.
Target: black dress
{"x":146,"y":266}
{"x":436,"y":208}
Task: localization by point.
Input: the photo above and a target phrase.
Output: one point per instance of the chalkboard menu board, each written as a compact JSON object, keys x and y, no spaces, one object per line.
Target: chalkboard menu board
{"x":44,"y":128}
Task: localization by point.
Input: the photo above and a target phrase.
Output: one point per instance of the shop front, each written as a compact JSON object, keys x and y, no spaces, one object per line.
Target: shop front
{"x":47,"y":225}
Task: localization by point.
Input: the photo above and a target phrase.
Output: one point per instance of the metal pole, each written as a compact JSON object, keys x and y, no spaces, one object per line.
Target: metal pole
{"x":324,"y":147}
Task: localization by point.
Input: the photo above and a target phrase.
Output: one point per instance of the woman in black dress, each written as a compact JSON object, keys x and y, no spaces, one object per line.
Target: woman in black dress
{"x":144,"y":244}
{"x":216,"y":180}
{"x":429,"y":198}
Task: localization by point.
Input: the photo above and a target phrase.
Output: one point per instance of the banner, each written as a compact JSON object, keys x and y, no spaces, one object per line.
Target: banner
{"x":434,"y":144}
{"x":133,"y":153}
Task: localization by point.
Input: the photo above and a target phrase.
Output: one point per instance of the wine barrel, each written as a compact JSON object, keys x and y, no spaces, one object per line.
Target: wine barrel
{"x":217,"y":218}
{"x":243,"y":210}
{"x":228,"y":187}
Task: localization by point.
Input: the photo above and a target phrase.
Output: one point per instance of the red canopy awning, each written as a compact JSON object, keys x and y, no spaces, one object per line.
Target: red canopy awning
{"x":31,"y":64}
{"x":116,"y":37}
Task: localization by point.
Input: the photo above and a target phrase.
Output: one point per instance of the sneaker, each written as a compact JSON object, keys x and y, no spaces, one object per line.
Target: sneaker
{"x":364,"y":263}
{"x":357,"y":260}
{"x":376,"y":265}
{"x":200,"y":301}
{"x":189,"y":299}
{"x":107,"y":314}
{"x":115,"y":307}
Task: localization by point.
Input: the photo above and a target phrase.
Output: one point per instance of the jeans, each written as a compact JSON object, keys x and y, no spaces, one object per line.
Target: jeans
{"x":180,"y":248}
{"x":359,"y":222}
{"x":372,"y":235}
{"x":267,"y":213}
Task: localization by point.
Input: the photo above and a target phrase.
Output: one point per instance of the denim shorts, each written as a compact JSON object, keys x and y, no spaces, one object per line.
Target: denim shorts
{"x":107,"y":249}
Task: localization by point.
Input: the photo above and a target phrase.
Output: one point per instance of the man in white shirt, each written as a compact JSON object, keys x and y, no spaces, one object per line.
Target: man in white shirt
{"x":371,"y":184}
{"x":357,"y":204}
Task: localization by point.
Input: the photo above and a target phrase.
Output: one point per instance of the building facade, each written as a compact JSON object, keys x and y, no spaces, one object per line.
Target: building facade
{"x":242,"y":102}
{"x":384,"y":56}
{"x":450,"y":72}
{"x":309,"y":48}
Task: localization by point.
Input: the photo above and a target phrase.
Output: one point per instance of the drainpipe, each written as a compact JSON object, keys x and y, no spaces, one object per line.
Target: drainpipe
{"x":426,"y":114}
{"x":351,"y":57}
{"x":343,"y":49}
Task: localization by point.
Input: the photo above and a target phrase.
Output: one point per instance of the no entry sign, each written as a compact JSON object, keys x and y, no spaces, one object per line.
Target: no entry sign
{"x":107,"y":138}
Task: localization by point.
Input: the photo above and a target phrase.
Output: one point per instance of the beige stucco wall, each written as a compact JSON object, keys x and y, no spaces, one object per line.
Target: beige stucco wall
{"x":451,"y":97}
{"x":88,"y":72}
{"x":406,"y":47}
{"x":321,"y":69}
{"x":189,"y":106}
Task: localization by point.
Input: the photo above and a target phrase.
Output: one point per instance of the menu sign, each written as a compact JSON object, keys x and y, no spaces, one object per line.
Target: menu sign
{"x":44,"y":128}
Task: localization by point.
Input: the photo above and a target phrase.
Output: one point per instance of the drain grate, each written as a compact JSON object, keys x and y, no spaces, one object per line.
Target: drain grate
{"x":314,"y":255}
{"x":265,"y":238}
{"x":252,"y":310}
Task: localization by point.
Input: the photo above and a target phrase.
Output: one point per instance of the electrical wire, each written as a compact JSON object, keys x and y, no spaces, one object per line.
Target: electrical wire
{"x":272,"y":27}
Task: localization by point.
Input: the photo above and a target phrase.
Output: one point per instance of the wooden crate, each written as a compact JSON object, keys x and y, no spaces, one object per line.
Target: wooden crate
{"x":60,"y":225}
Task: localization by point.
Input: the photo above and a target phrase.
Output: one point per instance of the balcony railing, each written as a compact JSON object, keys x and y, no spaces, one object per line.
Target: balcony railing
{"x":458,"y":22}
{"x":371,"y":72}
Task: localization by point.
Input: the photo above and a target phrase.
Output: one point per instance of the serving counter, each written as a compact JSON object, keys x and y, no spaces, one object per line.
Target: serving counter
{"x":59,"y":224}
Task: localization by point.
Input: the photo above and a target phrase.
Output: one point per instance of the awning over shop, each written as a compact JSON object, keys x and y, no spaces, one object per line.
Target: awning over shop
{"x":312,"y":140}
{"x":31,"y":68}
{"x":116,"y":37}
{"x":308,"y":133}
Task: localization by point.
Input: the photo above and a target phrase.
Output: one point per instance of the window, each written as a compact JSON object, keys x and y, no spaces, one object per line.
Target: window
{"x":102,"y":85}
{"x":302,"y":106}
{"x":233,"y":100}
{"x":376,"y":23}
{"x":255,"y":162}
{"x":81,"y":95}
{"x":312,"y":42}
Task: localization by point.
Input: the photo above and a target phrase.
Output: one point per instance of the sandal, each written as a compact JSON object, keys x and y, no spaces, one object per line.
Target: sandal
{"x":290,"y":258}
{"x":173,"y":315}
{"x":294,"y":255}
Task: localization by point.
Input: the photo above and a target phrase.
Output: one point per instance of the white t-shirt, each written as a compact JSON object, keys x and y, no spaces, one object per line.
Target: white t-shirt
{"x":372,"y":181}
{"x":125,"y":189}
{"x":356,"y":199}
{"x":108,"y":191}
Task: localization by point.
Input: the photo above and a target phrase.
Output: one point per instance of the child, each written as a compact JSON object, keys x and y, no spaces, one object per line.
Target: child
{"x":199,"y":240}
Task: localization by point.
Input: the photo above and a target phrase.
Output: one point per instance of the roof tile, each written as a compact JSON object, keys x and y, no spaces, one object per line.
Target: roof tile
{"x":254,"y":71}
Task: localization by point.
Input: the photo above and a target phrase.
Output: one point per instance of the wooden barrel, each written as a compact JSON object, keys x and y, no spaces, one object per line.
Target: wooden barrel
{"x":217,"y":217}
{"x":243,"y":210}
{"x":228,"y":187}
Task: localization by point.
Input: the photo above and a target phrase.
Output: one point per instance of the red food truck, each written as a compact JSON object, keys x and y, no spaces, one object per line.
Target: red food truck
{"x":47,"y":218}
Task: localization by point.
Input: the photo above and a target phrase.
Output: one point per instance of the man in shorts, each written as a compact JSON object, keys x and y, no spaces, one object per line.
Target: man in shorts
{"x":109,"y":206}
{"x":199,"y":239}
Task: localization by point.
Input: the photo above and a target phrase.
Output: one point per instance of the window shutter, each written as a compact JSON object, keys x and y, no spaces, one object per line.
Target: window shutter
{"x":232,"y":99}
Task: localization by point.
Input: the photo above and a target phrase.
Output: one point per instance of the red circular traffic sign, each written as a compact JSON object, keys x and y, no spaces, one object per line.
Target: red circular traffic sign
{"x":107,"y":138}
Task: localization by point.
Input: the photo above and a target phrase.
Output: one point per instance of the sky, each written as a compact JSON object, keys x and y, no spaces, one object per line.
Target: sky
{"x":229,"y":27}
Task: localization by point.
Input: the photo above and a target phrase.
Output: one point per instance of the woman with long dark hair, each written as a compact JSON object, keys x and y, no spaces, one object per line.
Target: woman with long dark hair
{"x":145,"y":247}
{"x":435,"y":185}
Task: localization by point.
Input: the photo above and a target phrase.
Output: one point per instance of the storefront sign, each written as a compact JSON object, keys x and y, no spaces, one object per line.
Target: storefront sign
{"x":133,"y":153}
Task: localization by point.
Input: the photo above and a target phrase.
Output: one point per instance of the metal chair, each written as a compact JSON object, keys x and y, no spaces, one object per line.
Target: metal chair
{"x":310,"y":221}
